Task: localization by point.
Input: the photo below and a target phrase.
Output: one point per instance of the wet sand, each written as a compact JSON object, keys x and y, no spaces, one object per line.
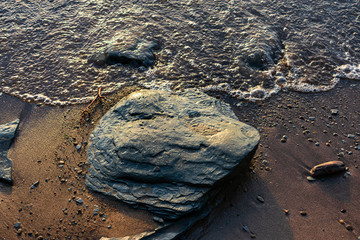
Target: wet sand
{"x":45,"y":151}
{"x":280,"y":171}
{"x":49,"y":135}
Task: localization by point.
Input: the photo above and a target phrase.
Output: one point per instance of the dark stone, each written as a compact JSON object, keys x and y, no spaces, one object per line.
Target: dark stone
{"x":7,"y":134}
{"x":165,"y":152}
{"x":17,"y":225}
{"x":79,"y":201}
{"x":35,"y":185}
{"x":139,"y":54}
{"x":327,"y":168}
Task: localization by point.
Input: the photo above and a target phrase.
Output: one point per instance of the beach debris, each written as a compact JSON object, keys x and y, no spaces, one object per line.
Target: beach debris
{"x":85,"y":114}
{"x":96,"y":97}
{"x":194,"y":140}
{"x":7,"y":135}
{"x":286,"y":211}
{"x":327,"y":168}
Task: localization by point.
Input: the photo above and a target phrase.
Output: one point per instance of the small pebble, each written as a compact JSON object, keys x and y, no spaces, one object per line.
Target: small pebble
{"x":17,"y":225}
{"x":303,"y":213}
{"x":349,"y":227}
{"x":158,"y":219}
{"x":35,"y":185}
{"x":79,"y":201}
{"x":260,"y":199}
{"x":334,"y":112}
{"x":310,"y":179}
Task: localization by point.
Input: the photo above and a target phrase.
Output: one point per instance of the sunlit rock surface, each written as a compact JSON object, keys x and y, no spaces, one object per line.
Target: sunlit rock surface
{"x":164,"y":152}
{"x":7,"y":134}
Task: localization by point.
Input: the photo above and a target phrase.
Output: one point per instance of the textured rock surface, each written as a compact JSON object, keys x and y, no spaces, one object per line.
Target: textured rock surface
{"x":137,"y":54}
{"x":164,"y":152}
{"x":7,"y":134}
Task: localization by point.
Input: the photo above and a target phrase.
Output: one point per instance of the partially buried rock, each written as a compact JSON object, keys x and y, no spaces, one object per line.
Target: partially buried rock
{"x":164,"y":152}
{"x":7,"y":134}
{"x":327,"y":168}
{"x":139,"y":53}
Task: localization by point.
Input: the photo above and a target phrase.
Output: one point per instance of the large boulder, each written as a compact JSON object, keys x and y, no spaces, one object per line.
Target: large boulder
{"x":164,"y":152}
{"x":7,"y":134}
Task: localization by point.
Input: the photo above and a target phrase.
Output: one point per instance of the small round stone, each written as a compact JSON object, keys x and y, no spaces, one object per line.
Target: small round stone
{"x":349,"y":227}
{"x":303,"y":213}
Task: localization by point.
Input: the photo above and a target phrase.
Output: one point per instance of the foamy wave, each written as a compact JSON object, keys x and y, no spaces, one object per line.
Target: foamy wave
{"x":254,"y":94}
{"x":349,"y":71}
{"x":244,"y":49}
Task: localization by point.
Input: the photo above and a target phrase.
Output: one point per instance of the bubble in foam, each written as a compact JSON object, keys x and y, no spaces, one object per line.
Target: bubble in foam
{"x":281,"y":81}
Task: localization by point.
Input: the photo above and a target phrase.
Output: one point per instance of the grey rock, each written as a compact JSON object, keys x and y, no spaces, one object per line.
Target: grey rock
{"x":138,"y":54}
{"x":79,"y":201}
{"x":164,"y":152}
{"x":78,"y":147}
{"x":158,"y":219}
{"x":351,"y":136}
{"x":7,"y":134}
{"x":260,"y":199}
{"x":17,"y":225}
